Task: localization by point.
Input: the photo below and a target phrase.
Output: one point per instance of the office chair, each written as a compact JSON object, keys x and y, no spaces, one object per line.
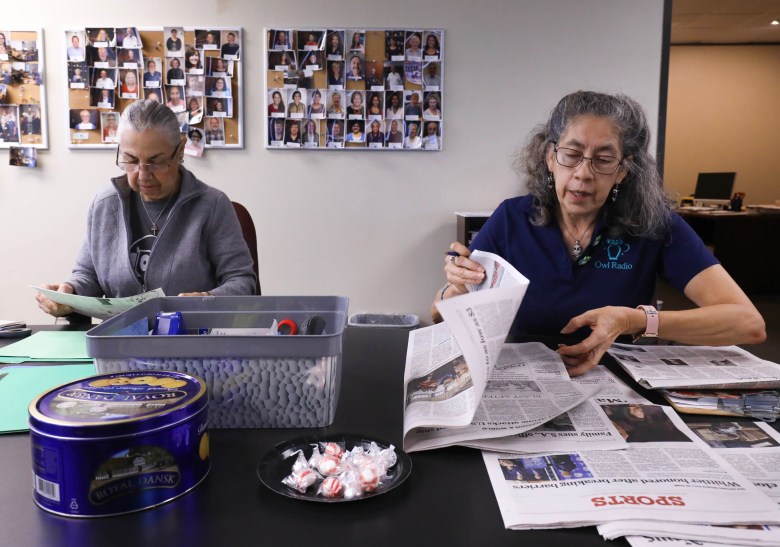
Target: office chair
{"x":250,"y":236}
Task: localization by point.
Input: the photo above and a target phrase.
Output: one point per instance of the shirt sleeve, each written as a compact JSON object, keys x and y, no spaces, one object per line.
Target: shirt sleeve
{"x":684,"y":254}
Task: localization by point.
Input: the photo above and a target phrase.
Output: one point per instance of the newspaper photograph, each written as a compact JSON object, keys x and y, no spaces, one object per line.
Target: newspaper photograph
{"x":695,"y":367}
{"x":528,"y":386}
{"x":667,"y":475}
{"x":99,"y":308}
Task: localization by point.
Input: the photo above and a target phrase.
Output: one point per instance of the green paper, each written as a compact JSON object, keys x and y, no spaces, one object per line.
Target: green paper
{"x":20,"y":385}
{"x":48,"y":346}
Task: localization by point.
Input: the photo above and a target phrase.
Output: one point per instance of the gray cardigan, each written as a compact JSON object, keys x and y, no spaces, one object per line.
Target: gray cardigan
{"x":199,"y":248}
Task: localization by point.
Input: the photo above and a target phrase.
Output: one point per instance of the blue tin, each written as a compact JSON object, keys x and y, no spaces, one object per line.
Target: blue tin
{"x":117,"y":443}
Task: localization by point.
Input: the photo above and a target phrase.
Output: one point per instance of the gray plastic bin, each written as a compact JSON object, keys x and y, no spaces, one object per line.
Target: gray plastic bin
{"x":253,"y":381}
{"x":404,"y":321}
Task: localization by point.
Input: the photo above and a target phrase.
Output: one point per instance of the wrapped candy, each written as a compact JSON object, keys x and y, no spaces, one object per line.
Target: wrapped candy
{"x":331,"y":487}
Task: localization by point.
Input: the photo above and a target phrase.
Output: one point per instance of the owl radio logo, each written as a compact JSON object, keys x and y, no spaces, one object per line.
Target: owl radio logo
{"x":617,"y":249}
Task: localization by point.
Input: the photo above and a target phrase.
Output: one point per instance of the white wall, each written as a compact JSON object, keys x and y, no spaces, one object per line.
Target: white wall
{"x":371,"y":226}
{"x":722,"y":116}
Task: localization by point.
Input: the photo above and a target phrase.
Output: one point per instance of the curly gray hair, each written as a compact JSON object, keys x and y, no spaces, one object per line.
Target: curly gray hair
{"x":643,"y":207}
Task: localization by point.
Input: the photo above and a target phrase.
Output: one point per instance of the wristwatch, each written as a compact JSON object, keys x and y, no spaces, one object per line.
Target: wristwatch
{"x":651,"y":328}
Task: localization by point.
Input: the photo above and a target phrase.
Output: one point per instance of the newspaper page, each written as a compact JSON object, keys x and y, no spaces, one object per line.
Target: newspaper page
{"x":528,"y":386}
{"x":696,"y":367}
{"x":666,"y":475}
{"x":498,"y":272}
{"x":100,"y":308}
{"x":753,"y":449}
{"x":584,"y":427}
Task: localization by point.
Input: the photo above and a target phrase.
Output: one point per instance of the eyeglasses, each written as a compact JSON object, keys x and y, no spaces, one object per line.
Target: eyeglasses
{"x":135,"y":167}
{"x":568,"y":157}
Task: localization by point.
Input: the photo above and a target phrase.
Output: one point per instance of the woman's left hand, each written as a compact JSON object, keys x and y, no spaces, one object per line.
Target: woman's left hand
{"x":606,"y":325}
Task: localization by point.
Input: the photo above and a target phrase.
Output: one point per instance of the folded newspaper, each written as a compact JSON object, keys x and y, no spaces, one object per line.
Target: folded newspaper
{"x":100,"y":308}
{"x":463,"y":385}
{"x":666,"y":367}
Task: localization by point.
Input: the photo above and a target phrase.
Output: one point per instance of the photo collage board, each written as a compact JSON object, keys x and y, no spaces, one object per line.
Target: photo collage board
{"x":197,"y":72}
{"x":354,"y":88}
{"x":22,"y":93}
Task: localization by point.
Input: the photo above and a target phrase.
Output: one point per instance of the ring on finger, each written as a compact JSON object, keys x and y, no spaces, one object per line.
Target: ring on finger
{"x":452,"y":259}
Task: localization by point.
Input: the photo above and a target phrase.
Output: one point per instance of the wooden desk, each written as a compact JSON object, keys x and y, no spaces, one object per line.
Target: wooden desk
{"x":745,"y":244}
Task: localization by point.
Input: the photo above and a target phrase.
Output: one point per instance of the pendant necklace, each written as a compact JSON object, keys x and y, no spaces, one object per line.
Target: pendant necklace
{"x":576,"y":250}
{"x":155,"y":228}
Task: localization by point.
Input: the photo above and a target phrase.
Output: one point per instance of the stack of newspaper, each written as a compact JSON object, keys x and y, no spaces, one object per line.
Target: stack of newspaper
{"x":588,"y":451}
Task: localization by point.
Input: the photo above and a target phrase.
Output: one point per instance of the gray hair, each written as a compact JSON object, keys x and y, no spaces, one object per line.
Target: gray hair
{"x":142,"y":115}
{"x":642,"y":206}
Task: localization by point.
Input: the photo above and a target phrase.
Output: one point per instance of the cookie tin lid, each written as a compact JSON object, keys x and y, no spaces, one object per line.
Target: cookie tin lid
{"x":117,"y":404}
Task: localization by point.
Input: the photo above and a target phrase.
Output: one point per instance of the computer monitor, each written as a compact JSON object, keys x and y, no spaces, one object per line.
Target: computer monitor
{"x":714,"y":188}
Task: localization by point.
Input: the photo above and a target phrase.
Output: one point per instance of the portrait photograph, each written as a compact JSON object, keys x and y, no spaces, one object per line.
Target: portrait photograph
{"x":129,"y":38}
{"x":195,"y":142}
{"x":432,"y":75}
{"x":276,"y":131}
{"x":432,"y":104}
{"x":394,"y":45}
{"x":83,"y":119}
{"x":9,"y":123}
{"x":109,"y":127}
{"x":336,"y":75}
{"x":413,"y":45}
{"x":219,"y":108}
{"x":413,"y":72}
{"x":101,"y":37}
{"x":101,"y":98}
{"x":357,"y":40}
{"x":355,"y":67}
{"x":152,"y":76}
{"x":395,"y":105}
{"x":101,"y":57}
{"x":276,"y":103}
{"x":432,"y":47}
{"x":217,"y":86}
{"x":394,"y":75}
{"x":215,"y":131}
{"x":312,"y":60}
{"x":336,"y":104}
{"x":5,"y":45}
{"x":193,"y":61}
{"x":280,"y":39}
{"x":375,"y":136}
{"x":334,"y":45}
{"x":335,"y":136}
{"x":231,"y":45}
{"x":312,"y":133}
{"x":184,"y":121}
{"x":309,"y":40}
{"x":216,"y":66}
{"x":413,"y":140}
{"x":174,"y":41}
{"x":196,"y":85}
{"x":30,"y":119}
{"x":412,"y":105}
{"x":356,"y":133}
{"x":317,"y":108}
{"x":174,"y":73}
{"x":375,"y":77}
{"x":282,"y":60}
{"x":207,"y":39}
{"x":394,"y":136}
{"x":129,"y":58}
{"x":176,"y":98}
{"x":356,"y":107}
{"x":194,"y":110}
{"x":104,"y":78}
{"x":431,"y":136}
{"x":78,"y":75}
{"x":154,"y":94}
{"x":129,"y":84}
{"x":76,"y":46}
{"x":296,"y":103}
{"x":292,"y":134}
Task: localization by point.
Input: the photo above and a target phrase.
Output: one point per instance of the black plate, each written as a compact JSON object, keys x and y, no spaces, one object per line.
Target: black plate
{"x":274,"y":467}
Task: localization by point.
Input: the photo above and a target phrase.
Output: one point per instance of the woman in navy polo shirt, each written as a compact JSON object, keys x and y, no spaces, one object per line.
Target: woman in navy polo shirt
{"x":591,"y":236}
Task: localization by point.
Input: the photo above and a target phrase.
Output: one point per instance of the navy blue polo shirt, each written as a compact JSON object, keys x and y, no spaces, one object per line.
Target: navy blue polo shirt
{"x":620,"y":271}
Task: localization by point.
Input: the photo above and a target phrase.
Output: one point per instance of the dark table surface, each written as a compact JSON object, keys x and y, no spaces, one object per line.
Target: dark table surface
{"x":447,"y":499}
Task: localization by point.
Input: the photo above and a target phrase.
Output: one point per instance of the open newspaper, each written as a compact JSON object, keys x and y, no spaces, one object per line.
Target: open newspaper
{"x":667,"y":476}
{"x":753,"y":449}
{"x":100,"y":308}
{"x":454,"y":390}
{"x":696,"y":367}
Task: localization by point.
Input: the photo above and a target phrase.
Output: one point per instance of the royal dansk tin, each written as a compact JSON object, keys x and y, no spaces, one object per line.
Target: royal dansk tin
{"x":117,"y":443}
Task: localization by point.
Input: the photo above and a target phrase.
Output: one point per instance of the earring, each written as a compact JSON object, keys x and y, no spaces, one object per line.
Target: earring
{"x":615,"y":190}
{"x":550,"y":181}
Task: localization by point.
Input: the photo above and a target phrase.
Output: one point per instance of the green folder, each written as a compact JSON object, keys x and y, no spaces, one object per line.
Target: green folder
{"x":59,"y":346}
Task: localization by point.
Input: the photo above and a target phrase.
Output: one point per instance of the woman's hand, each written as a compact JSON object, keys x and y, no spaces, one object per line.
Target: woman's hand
{"x":606,"y":325}
{"x":460,"y":270}
{"x":51,"y":307}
